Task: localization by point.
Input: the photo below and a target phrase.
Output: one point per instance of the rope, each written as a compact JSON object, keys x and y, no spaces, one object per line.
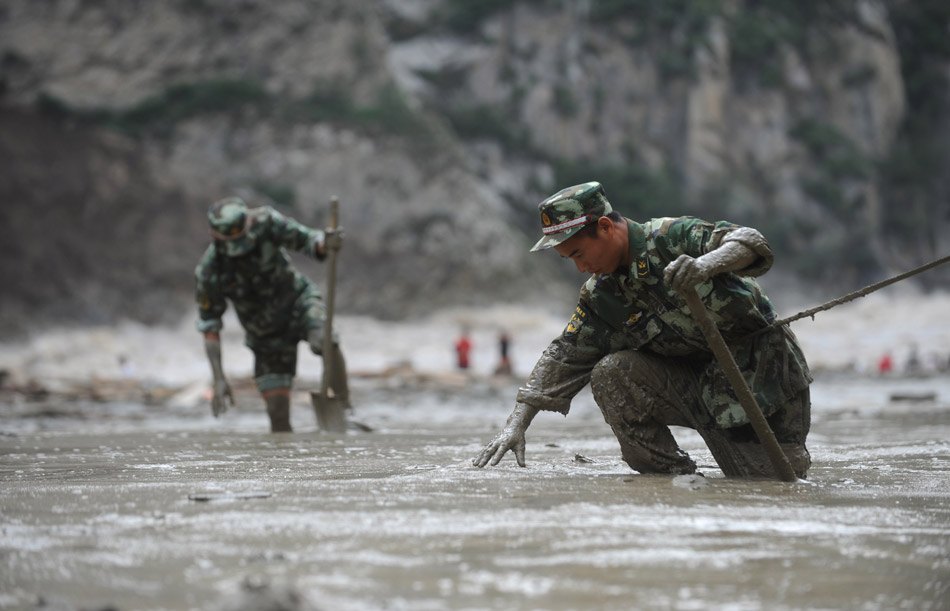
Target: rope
{"x":850,"y":296}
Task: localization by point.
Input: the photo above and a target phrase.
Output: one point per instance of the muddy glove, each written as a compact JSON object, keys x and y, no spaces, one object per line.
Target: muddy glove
{"x":332,"y":240}
{"x":222,"y":391}
{"x":510,"y":438}
{"x":686,"y":272}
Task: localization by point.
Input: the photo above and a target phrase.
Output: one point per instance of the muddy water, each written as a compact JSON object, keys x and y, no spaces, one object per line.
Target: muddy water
{"x":95,"y":510}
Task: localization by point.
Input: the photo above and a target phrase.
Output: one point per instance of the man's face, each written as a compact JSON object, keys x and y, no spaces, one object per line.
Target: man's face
{"x":598,"y":254}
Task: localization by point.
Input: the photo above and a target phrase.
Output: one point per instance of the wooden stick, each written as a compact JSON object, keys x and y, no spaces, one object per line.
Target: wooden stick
{"x":331,"y":294}
{"x":752,"y":410}
{"x":330,"y":416}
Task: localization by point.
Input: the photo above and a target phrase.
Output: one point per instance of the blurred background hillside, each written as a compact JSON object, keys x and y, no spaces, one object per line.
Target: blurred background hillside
{"x":441,"y":124}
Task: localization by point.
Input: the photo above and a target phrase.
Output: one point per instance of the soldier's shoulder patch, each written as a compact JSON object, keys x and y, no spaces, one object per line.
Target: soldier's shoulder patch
{"x":580,"y":315}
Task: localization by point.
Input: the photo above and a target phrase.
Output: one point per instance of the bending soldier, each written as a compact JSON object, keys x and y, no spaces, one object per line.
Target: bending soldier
{"x":247,"y":263}
{"x":632,"y":337}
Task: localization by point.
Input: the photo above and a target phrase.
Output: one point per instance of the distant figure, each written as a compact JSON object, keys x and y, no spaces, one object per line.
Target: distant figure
{"x":126,"y":368}
{"x":247,"y":264}
{"x":886,"y":364}
{"x":504,"y":364}
{"x":463,"y":346}
{"x":913,"y":366}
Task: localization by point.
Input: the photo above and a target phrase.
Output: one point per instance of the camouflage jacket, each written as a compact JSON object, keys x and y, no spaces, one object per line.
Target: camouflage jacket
{"x":634,"y":309}
{"x":263,"y":285}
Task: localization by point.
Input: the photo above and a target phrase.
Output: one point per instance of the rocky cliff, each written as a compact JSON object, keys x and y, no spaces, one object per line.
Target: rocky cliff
{"x":440,"y":124}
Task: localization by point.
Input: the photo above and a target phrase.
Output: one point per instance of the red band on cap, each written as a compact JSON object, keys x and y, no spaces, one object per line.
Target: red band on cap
{"x":583,"y":220}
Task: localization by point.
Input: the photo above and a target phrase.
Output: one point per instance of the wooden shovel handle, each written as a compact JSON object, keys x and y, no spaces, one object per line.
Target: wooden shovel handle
{"x":752,"y":410}
{"x":334,"y":212}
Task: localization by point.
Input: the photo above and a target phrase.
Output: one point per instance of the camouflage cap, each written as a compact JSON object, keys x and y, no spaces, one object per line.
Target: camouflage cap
{"x":229,"y":220}
{"x":569,"y":210}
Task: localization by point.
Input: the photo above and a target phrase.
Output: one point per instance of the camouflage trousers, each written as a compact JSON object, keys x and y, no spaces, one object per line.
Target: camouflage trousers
{"x":275,"y":356}
{"x":641,"y":395}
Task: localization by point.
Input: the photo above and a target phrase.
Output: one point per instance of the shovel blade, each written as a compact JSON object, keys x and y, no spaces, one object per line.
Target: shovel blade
{"x":331,"y":416}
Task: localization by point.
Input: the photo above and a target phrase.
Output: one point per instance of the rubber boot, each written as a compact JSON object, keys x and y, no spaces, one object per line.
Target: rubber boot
{"x":278,"y":408}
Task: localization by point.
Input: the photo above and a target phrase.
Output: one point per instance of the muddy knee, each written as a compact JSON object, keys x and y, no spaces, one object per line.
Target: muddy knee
{"x":614,"y":386}
{"x":610,"y":372}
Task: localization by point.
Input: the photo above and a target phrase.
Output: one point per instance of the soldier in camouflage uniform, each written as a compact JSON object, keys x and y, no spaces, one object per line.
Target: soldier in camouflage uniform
{"x":277,"y":306}
{"x":632,"y":337}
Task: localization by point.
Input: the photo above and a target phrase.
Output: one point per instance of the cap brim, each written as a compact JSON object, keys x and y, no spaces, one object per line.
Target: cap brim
{"x":555,"y":238}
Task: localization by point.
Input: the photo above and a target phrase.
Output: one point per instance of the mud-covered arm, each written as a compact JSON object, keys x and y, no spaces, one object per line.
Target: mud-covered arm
{"x":293,"y":235}
{"x":213,"y":352}
{"x":561,"y":372}
{"x":220,"y":386}
{"x":711,"y":249}
{"x":211,"y":306}
{"x":749,"y":253}
{"x":565,"y":365}
{"x":558,"y":376}
{"x":211,"y":303}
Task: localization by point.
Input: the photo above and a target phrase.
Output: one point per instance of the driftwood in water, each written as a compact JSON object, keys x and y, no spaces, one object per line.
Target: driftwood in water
{"x":96,"y":390}
{"x":917,"y":397}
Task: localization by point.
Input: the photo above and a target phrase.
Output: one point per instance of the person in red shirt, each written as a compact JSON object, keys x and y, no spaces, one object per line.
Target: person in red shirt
{"x":463,"y":347}
{"x":886,"y":364}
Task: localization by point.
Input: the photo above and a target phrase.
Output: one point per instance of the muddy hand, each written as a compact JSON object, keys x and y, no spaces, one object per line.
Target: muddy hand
{"x":333,"y":239}
{"x":222,"y":391}
{"x":499,"y":446}
{"x":510,"y":438}
{"x":686,"y":272}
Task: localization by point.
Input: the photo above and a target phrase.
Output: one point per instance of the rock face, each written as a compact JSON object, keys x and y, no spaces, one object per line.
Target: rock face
{"x":439,"y":129}
{"x":422,"y":229}
{"x":583,"y":92}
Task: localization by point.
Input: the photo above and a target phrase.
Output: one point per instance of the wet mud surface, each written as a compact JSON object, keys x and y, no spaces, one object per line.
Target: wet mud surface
{"x":95,"y":509}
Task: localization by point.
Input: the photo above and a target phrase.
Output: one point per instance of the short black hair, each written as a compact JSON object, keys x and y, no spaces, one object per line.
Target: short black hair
{"x":590,"y":229}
